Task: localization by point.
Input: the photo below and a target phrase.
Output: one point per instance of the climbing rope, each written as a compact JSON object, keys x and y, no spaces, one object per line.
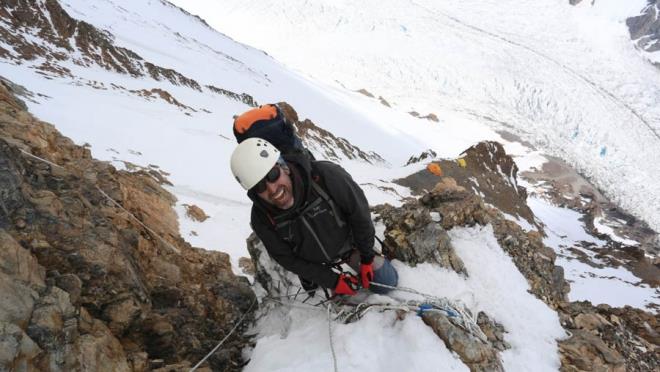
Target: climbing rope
{"x":110,"y":199}
{"x":167,"y":244}
{"x":455,"y":310}
{"x":332,"y":346}
{"x":346,"y":312}
{"x":238,"y":323}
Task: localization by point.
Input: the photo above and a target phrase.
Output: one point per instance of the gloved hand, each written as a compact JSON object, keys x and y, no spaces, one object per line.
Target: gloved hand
{"x":367,"y":273}
{"x":347,"y":284}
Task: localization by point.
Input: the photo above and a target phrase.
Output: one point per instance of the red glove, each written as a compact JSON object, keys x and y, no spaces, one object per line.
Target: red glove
{"x":366,"y":274}
{"x":346,"y":285}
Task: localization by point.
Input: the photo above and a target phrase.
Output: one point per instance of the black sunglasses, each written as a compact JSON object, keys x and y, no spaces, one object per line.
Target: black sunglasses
{"x":270,"y":177}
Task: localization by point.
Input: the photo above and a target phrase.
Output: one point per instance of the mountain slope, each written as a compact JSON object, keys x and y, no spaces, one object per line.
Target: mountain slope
{"x":566,"y":79}
{"x":147,"y":85}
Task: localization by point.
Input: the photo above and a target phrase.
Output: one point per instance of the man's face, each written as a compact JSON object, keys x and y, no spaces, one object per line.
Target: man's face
{"x":279,"y":192}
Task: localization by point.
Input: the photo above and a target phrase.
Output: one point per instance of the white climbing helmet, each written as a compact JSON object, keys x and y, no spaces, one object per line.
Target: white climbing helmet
{"x":252,"y":160}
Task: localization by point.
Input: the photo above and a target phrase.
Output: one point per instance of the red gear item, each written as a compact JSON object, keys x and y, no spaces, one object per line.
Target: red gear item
{"x":366,"y":274}
{"x":346,"y":285}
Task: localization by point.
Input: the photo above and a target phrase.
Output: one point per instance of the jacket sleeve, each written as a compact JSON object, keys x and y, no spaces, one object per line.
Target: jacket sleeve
{"x":281,"y":252}
{"x":351,"y":200}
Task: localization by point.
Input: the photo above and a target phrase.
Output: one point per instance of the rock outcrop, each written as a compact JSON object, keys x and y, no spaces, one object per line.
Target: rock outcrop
{"x":63,"y":37}
{"x":645,"y":28}
{"x":84,"y":284}
{"x":487,"y":171}
{"x":477,"y":355}
{"x":195,"y":213}
{"x":425,"y":155}
{"x":607,"y":338}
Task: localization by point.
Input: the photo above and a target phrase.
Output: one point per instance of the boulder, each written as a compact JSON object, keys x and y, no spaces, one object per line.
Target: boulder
{"x":195,"y":213}
{"x":17,"y":350}
{"x":476,"y":354}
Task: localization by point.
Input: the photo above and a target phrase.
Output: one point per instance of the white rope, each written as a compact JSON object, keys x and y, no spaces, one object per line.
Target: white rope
{"x":42,"y":159}
{"x":226,"y":337}
{"x":469,"y":323}
{"x":332,"y":347}
{"x":453,"y":309}
{"x":168,"y":244}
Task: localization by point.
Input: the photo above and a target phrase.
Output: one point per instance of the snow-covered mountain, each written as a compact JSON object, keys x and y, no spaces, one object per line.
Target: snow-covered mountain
{"x":565,"y":78}
{"x":148,"y":86}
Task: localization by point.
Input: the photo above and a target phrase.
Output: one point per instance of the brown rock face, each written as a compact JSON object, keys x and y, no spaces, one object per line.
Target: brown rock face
{"x":604,"y":338}
{"x":84,"y":285}
{"x":413,"y":237}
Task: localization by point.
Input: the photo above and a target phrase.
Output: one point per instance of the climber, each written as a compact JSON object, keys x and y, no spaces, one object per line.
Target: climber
{"x":311,"y":217}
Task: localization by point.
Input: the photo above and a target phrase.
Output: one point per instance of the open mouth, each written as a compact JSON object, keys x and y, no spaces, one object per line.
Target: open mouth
{"x":279,"y":194}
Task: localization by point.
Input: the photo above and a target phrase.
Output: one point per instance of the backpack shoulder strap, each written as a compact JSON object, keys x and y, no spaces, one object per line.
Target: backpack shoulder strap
{"x":317,"y":181}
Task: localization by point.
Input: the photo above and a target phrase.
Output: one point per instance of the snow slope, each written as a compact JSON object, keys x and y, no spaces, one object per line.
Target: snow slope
{"x":565,"y":78}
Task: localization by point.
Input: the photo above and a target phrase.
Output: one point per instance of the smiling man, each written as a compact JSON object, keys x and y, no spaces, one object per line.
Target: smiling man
{"x":311,"y":216}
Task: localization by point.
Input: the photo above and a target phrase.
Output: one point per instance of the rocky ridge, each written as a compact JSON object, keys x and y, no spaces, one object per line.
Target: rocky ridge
{"x":645,"y":29}
{"x":486,"y":170}
{"x":323,"y":142}
{"x":85,"y":284}
{"x":64,"y":38}
{"x":44,"y":36}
